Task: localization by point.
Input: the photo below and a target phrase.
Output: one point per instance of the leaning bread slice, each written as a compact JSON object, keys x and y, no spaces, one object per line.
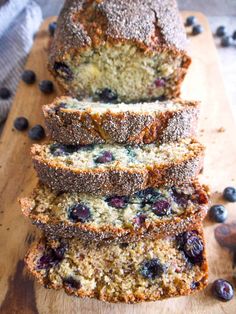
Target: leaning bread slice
{"x":73,"y":122}
{"x":146,"y":270}
{"x":115,"y":169}
{"x":154,"y":212}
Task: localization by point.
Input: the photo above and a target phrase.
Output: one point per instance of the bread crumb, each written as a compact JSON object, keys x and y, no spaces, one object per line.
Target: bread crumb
{"x":221,"y":129}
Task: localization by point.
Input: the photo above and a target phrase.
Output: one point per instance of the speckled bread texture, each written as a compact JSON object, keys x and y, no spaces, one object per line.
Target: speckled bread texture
{"x":129,"y":170}
{"x":151,"y":213}
{"x":147,"y":270}
{"x":135,"y":49}
{"x":74,"y":122}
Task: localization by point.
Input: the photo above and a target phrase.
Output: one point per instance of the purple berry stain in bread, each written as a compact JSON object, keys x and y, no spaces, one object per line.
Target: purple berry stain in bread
{"x":152,"y":269}
{"x":117,"y":201}
{"x":105,"y":157}
{"x":161,"y":208}
{"x":79,"y":213}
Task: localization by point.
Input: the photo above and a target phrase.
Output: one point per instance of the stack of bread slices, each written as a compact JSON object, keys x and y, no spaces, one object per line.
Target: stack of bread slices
{"x":118,"y":197}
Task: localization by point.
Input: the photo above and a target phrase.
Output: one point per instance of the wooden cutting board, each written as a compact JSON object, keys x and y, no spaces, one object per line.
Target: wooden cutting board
{"x":18,"y":292}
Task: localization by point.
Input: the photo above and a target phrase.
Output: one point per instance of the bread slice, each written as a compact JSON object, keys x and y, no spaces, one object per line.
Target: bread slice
{"x":154,"y":212}
{"x":147,"y":270}
{"x":120,"y":50}
{"x":73,"y":122}
{"x":114,"y":169}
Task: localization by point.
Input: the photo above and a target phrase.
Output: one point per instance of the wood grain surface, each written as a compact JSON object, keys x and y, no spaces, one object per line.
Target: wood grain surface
{"x":18,"y":292}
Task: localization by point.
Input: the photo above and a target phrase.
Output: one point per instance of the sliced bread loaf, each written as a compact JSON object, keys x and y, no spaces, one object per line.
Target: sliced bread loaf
{"x":73,"y":122}
{"x":114,"y":169}
{"x":147,"y":270}
{"x":154,"y":212}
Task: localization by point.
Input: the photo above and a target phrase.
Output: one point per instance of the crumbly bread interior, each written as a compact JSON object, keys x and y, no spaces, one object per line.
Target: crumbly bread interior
{"x":120,"y":156}
{"x":125,"y":69}
{"x":149,"y":269}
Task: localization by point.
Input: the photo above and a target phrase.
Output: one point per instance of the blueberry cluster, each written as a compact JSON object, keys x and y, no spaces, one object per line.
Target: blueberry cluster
{"x":226,"y":39}
{"x":196,"y":27}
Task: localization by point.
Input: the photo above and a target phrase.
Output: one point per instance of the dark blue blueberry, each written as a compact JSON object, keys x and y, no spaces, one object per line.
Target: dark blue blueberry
{"x":152,"y":269}
{"x":149,"y":195}
{"x":192,"y":246}
{"x":118,"y":201}
{"x":234,"y":35}
{"x":218,"y":213}
{"x":190,"y":20}
{"x":21,"y":123}
{"x":161,"y":208}
{"x":52,"y":27}
{"x":72,"y":283}
{"x":63,"y":150}
{"x":140,"y":220}
{"x":229,"y":194}
{"x":63,"y":71}
{"x":197,"y":29}
{"x":179,"y":197}
{"x":105,"y":157}
{"x":107,"y":95}
{"x":37,"y":132}
{"x":51,"y":257}
{"x":220,"y":31}
{"x":79,"y":213}
{"x":225,"y":41}
{"x":5,"y":93}
{"x":222,"y":290}
{"x":46,"y":86}
{"x":194,"y":285}
{"x":28,"y":77}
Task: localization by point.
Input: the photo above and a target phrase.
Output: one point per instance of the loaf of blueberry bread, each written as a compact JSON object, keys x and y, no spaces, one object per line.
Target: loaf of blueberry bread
{"x":146,"y":270}
{"x":73,"y":122}
{"x":154,"y":212}
{"x":116,"y":169}
{"x":119,"y":50}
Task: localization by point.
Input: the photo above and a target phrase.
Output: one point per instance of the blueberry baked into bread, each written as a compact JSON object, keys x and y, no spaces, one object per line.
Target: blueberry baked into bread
{"x":147,"y":270}
{"x":154,"y":212}
{"x":119,"y":50}
{"x":73,"y":122}
{"x":116,"y":169}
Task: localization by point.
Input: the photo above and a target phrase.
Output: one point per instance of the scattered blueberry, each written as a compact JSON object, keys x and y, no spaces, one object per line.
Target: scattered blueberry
{"x":37,"y":132}
{"x":79,"y":213}
{"x":140,"y":219}
{"x":105,"y":157}
{"x":218,"y":213}
{"x":190,"y":243}
{"x":222,"y":290}
{"x":197,"y":29}
{"x":229,"y":194}
{"x":161,"y":208}
{"x":152,"y":269}
{"x":70,"y":282}
{"x":225,"y":41}
{"x":118,"y":201}
{"x":220,"y":31}
{"x":28,"y":77}
{"x":5,"y":93}
{"x":107,"y":95}
{"x":179,"y":197}
{"x":159,"y":82}
{"x":190,"y":20}
{"x":234,"y":35}
{"x":57,"y":149}
{"x":52,"y":27}
{"x":46,"y":86}
{"x":63,"y":71}
{"x":194,"y":285}
{"x":21,"y":123}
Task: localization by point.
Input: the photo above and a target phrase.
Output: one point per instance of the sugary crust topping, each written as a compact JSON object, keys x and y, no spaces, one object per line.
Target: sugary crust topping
{"x":152,"y":24}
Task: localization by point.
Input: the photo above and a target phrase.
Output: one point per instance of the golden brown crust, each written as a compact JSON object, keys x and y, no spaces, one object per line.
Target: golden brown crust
{"x":55,"y":227}
{"x":71,"y":127}
{"x":31,"y":258}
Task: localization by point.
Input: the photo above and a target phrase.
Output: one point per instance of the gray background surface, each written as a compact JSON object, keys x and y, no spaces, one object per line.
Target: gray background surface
{"x":219,"y":12}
